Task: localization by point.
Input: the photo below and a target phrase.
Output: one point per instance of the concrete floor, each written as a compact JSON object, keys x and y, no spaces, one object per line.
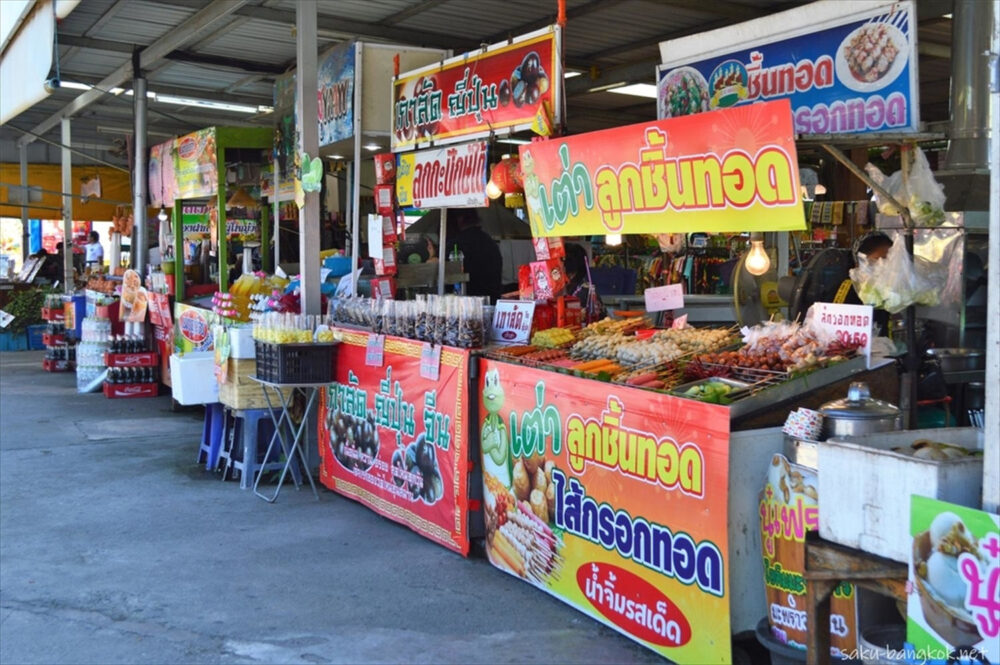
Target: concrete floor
{"x":115,"y":547}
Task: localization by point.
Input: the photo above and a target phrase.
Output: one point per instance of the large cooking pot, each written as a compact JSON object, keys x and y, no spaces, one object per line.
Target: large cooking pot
{"x":859,"y":414}
{"x":959,"y":360}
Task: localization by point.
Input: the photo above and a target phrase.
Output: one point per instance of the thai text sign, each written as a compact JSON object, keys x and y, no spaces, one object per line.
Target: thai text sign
{"x":789,"y":508}
{"x":846,"y":67}
{"x":953,"y":605}
{"x":335,"y":78}
{"x":503,"y":87}
{"x":612,"y":499}
{"x":732,"y":170}
{"x":852,"y":324}
{"x":453,"y":177}
{"x":396,"y":441}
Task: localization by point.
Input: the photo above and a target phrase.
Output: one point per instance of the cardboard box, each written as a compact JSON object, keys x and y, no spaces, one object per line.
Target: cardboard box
{"x":193,"y":378}
{"x":385,"y":168}
{"x":525,"y":284}
{"x":548,"y":278}
{"x":866,"y":487}
{"x":387,"y":264}
{"x":385,"y":199}
{"x":242,"y":392}
{"x":549,"y":248}
{"x":569,"y":312}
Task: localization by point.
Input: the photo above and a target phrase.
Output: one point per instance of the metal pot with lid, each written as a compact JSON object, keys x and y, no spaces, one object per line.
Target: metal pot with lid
{"x":859,"y":414}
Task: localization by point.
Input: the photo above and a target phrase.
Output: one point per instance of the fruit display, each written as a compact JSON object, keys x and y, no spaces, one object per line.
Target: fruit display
{"x":713,"y":391}
{"x":552,"y":338}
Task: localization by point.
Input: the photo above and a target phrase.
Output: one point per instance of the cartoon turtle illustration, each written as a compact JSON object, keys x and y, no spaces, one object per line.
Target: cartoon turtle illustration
{"x":494,"y":440}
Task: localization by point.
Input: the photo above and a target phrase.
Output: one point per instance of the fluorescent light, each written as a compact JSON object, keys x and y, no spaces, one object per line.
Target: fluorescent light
{"x":569,"y":75}
{"x":372,"y":146}
{"x":335,"y":156}
{"x":947,"y":16}
{"x":637,"y":90}
{"x":73,"y":85}
{"x":208,"y":104}
{"x":514,"y":141}
{"x":607,"y":86}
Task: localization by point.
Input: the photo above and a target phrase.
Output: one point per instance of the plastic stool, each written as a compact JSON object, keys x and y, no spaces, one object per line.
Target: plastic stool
{"x":211,"y":435}
{"x":247,"y":429}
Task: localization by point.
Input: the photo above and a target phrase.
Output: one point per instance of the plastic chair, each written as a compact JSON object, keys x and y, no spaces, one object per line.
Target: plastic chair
{"x":251,"y":429}
{"x":211,"y":435}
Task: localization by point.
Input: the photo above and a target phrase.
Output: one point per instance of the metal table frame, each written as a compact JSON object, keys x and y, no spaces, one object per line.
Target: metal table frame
{"x":309,"y":391}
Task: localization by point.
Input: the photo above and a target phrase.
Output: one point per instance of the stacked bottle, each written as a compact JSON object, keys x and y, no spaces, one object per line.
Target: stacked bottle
{"x":123,"y":375}
{"x":95,"y":341}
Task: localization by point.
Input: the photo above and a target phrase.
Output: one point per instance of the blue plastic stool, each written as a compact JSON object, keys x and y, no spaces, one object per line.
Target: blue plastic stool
{"x":211,"y":435}
{"x":253,"y":429}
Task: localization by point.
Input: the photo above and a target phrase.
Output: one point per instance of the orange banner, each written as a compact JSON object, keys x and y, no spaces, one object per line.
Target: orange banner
{"x":724,"y":171}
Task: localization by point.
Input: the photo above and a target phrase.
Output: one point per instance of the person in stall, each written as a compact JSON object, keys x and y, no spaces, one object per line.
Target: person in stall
{"x":482,"y":259}
{"x":579,"y":285}
{"x":874,"y":246}
{"x":94,"y":251}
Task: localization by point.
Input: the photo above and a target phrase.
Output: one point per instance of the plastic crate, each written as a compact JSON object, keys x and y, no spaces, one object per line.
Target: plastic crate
{"x":295,"y":363}
{"x":13,"y":341}
{"x":127,"y":390}
{"x":36,"y":336}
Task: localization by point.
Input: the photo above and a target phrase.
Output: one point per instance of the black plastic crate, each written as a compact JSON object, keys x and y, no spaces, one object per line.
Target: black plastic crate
{"x":295,"y":363}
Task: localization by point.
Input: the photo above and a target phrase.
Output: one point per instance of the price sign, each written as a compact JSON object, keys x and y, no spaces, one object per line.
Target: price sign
{"x":660,"y":298}
{"x":680,"y":322}
{"x":375,"y":246}
{"x":852,"y":324}
{"x":430,"y":361}
{"x":512,"y":321}
{"x":375,"y":350}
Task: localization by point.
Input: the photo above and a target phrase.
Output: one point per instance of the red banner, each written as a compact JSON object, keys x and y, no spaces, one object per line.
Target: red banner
{"x":506,"y":86}
{"x":398,"y":442}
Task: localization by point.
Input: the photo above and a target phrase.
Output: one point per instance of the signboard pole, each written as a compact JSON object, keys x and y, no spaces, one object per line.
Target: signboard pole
{"x":276,"y":229}
{"x":67,"y":188}
{"x":442,"y":250}
{"x":305,"y":44}
{"x":356,"y":174}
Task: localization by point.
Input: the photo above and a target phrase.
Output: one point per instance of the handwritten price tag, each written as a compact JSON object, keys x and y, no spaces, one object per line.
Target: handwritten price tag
{"x":852,"y":324}
{"x":375,"y":351}
{"x":661,"y":298}
{"x":430,"y":361}
{"x":512,"y":321}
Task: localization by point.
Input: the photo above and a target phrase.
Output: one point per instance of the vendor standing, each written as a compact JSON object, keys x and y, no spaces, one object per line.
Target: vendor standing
{"x":94,"y":252}
{"x":874,"y":246}
{"x":482,"y":259}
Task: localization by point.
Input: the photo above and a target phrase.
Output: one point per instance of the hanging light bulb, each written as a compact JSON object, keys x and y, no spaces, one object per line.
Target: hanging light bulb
{"x":757,"y":261}
{"x":613,"y":239}
{"x":162,"y":215}
{"x":492,"y":190}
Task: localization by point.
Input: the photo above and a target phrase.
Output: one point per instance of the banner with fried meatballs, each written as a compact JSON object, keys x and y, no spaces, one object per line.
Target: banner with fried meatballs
{"x":612,"y":499}
{"x":397,"y":441}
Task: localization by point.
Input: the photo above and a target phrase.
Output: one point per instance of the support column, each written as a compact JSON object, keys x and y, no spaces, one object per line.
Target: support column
{"x":356,"y":181}
{"x":67,"y":188}
{"x":139,"y":178}
{"x":308,"y":125}
{"x":25,"y":231}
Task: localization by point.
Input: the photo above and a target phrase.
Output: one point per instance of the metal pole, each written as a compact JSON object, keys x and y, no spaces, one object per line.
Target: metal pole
{"x":139,"y":179}
{"x":356,"y":182}
{"x":991,"y":434}
{"x":308,"y":119}
{"x":276,"y":227}
{"x":25,"y":231}
{"x":349,"y":191}
{"x":442,"y":249}
{"x":67,"y":187}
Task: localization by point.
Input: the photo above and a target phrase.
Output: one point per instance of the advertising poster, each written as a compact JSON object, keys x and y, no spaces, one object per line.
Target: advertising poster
{"x":504,"y":87}
{"x":612,"y":499}
{"x":397,"y":441}
{"x":789,"y":508}
{"x":162,"y":183}
{"x":195,"y":165}
{"x":335,"y":78}
{"x":193,"y":328}
{"x":727,"y":171}
{"x":453,"y":177}
{"x":953,"y":602}
{"x":195,"y":222}
{"x":844,"y":71}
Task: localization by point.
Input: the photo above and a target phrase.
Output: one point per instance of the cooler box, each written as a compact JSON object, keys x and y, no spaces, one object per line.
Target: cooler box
{"x":192,"y":378}
{"x":35,"y":334}
{"x":866,"y":487}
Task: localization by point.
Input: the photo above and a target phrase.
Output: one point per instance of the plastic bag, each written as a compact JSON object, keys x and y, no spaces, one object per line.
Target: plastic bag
{"x":892,"y":184}
{"x":892,"y":283}
{"x":926,"y":197}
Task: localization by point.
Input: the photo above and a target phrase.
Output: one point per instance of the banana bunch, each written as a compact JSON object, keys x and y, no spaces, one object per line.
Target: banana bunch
{"x":552,"y":338}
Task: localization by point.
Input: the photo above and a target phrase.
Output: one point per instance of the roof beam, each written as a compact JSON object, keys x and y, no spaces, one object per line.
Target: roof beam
{"x":724,"y":8}
{"x":413,"y":10}
{"x":571,"y":13}
{"x":178,"y":91}
{"x":186,"y":32}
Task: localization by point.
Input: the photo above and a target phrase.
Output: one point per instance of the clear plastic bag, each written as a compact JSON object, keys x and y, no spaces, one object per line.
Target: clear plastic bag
{"x":890,"y":183}
{"x":893,"y":284}
{"x":919,"y":192}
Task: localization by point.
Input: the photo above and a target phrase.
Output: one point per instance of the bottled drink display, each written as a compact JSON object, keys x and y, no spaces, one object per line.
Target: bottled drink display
{"x":129,"y":375}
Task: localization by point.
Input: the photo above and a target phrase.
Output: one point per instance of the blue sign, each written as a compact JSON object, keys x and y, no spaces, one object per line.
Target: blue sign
{"x":855,"y":78}
{"x":335,"y":79}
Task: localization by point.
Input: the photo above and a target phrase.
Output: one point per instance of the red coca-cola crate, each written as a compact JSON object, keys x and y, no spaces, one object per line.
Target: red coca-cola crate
{"x":57,"y":365}
{"x":49,"y":339}
{"x":141,"y":359}
{"x":53,"y":314}
{"x":125,"y":390}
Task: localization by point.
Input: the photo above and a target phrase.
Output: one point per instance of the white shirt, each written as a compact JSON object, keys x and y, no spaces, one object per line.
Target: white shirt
{"x":95,"y":253}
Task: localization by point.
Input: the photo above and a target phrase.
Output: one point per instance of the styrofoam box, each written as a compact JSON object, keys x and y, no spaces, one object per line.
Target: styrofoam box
{"x":241,"y":343}
{"x":192,"y":378}
{"x":865,"y":488}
